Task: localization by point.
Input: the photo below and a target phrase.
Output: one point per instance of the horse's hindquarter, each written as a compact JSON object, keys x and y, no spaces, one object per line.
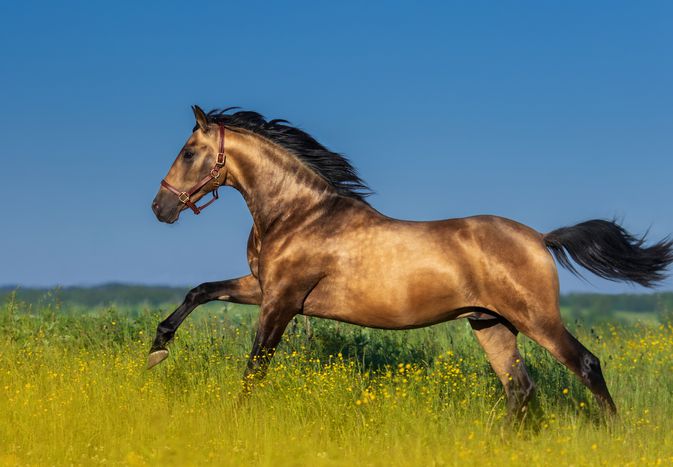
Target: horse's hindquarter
{"x":397,"y":274}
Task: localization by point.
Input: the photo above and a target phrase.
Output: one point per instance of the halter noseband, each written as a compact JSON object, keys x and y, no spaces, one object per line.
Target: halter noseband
{"x":213,"y":175}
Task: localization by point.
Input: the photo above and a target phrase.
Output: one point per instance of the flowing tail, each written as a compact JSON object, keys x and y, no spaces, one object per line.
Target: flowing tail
{"x":609,"y":251}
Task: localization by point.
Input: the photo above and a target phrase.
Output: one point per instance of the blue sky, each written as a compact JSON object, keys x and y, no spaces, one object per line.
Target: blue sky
{"x":549,"y":113}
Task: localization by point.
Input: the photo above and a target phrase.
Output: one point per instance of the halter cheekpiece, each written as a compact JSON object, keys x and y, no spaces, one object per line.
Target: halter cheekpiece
{"x":213,"y":175}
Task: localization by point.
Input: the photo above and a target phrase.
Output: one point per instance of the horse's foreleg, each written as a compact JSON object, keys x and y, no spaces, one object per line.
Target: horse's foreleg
{"x":272,"y":324}
{"x":498,"y":339}
{"x":244,"y":290}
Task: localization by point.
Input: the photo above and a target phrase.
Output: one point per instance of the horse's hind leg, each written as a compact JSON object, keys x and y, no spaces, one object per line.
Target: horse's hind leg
{"x":548,"y":330}
{"x":498,"y":339}
{"x":569,"y":351}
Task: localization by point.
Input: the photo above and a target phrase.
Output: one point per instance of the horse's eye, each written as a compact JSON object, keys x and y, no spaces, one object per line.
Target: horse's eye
{"x":188,"y":155}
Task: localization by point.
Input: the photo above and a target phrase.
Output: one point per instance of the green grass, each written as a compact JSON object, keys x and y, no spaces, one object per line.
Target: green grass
{"x":73,"y":390}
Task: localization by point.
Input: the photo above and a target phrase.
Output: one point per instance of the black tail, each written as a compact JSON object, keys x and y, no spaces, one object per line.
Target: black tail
{"x":609,"y":251}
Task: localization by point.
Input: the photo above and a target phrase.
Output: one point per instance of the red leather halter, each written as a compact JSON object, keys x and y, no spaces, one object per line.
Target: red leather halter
{"x":213,"y":175}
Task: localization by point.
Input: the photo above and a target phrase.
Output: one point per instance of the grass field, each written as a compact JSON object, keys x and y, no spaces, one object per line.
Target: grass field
{"x":73,"y":390}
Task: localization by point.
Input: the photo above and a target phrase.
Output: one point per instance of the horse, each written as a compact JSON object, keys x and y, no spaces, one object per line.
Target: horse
{"x":318,"y":248}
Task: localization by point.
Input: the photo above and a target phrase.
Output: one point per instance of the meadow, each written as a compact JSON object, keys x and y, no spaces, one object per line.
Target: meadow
{"x":74,"y":390}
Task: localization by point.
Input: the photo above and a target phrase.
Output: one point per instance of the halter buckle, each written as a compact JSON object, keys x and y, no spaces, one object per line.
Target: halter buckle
{"x":220,"y":159}
{"x":183,"y":197}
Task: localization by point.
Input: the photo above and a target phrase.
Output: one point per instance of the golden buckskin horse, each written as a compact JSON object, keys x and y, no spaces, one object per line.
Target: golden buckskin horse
{"x":317,"y":248}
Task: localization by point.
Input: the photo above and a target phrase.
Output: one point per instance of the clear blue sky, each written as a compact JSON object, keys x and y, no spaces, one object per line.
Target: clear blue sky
{"x":545,"y":112}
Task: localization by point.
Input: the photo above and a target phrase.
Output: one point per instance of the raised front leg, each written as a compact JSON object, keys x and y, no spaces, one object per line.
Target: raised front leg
{"x":243,"y":290}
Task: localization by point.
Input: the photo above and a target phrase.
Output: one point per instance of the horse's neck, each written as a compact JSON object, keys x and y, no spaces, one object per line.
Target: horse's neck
{"x":275,"y":185}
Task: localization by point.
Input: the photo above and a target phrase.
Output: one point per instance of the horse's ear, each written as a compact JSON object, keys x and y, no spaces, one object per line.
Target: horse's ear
{"x":201,"y":119}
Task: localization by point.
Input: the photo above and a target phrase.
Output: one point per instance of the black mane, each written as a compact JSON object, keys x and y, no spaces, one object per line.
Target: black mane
{"x":331,"y":166}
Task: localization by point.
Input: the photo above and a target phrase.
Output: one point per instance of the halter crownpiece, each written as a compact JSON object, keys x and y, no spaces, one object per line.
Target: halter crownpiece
{"x":213,"y":175}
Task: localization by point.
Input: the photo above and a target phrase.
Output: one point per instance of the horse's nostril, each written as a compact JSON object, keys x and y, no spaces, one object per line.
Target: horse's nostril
{"x":155,"y":206}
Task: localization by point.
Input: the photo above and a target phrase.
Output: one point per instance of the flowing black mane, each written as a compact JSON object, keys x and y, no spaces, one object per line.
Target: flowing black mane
{"x":331,"y":166}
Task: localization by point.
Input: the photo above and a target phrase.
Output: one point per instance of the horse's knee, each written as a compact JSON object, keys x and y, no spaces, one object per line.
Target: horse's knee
{"x":196,"y":295}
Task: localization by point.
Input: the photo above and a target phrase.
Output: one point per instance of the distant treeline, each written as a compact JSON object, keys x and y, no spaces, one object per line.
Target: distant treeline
{"x":96,"y":296}
{"x":602,"y":303}
{"x":134,"y":295}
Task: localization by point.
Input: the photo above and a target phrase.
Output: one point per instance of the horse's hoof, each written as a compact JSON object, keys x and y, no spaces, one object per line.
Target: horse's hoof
{"x":156,"y":357}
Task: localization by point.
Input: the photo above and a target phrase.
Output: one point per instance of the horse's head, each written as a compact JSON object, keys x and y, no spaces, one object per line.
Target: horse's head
{"x":198,"y":170}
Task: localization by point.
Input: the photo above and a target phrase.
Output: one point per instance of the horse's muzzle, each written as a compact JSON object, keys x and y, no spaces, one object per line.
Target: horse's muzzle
{"x":165,"y":208}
